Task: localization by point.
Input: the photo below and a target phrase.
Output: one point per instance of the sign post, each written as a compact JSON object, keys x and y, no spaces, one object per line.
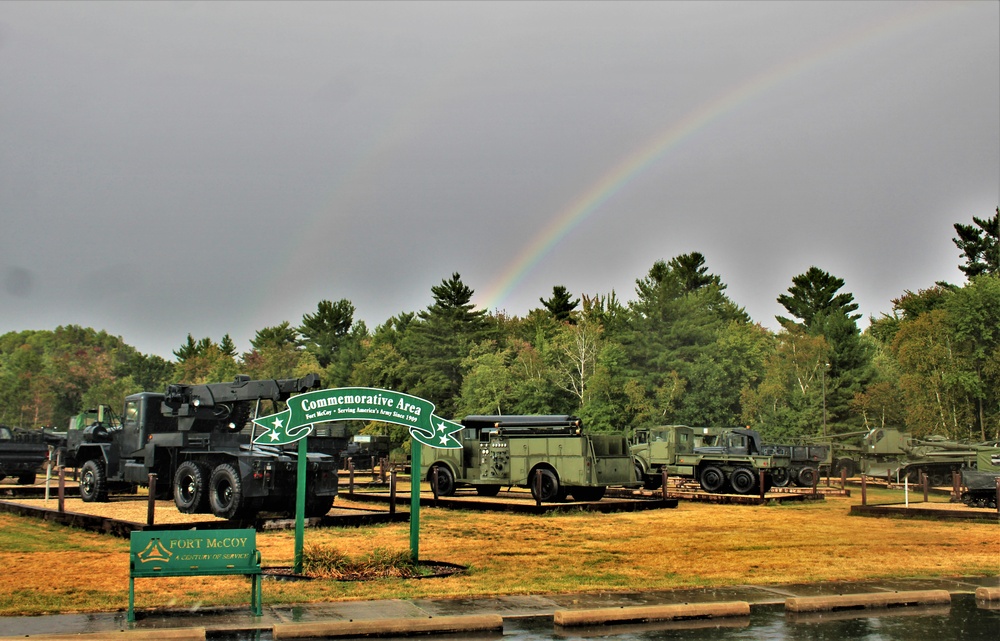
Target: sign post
{"x":358,"y":404}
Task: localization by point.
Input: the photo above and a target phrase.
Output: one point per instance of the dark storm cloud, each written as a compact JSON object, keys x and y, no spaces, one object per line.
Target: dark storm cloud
{"x":212,"y":168}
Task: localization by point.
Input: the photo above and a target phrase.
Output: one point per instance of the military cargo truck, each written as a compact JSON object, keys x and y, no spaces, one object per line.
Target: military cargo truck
{"x":22,"y":452}
{"x":551,"y":454}
{"x":192,"y":437}
{"x":731,"y":462}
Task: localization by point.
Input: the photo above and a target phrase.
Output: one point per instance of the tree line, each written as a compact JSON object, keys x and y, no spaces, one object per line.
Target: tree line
{"x":680,"y":352}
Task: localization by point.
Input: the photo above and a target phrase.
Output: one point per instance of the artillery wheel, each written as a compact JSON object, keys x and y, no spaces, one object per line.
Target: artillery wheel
{"x":780,"y":477}
{"x":487,"y":490}
{"x":712,"y":479}
{"x":225,"y":493}
{"x":588,"y":494}
{"x":191,"y":488}
{"x":550,"y":490}
{"x":445,"y":480}
{"x":805,"y":477}
{"x":743,"y":481}
{"x":93,"y":482}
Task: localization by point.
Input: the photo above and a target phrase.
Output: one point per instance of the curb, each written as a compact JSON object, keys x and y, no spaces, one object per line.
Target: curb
{"x":643,"y":614}
{"x":864,"y":601}
{"x":388,"y":627}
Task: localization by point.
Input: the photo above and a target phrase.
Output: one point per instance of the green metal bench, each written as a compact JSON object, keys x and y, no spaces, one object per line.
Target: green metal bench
{"x":195,"y":553}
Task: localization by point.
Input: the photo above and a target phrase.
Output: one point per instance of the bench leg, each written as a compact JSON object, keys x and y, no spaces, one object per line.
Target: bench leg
{"x":131,"y":600}
{"x":256,"y":597}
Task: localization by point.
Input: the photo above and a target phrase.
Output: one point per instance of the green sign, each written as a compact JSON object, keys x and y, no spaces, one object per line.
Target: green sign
{"x":358,"y":404}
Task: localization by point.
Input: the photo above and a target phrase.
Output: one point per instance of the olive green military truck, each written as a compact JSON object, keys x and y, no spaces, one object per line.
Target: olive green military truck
{"x":551,"y":454}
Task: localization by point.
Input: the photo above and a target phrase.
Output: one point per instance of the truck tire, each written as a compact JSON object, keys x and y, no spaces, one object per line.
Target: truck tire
{"x":318,"y":505}
{"x":93,"y":482}
{"x":549,"y":491}
{"x":225,"y":493}
{"x":712,"y":479}
{"x":191,"y":488}
{"x":743,"y":481}
{"x":649,"y":481}
{"x":780,"y":477}
{"x":445,"y":480}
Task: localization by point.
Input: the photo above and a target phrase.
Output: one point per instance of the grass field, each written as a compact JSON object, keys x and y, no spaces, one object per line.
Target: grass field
{"x":48,"y":568}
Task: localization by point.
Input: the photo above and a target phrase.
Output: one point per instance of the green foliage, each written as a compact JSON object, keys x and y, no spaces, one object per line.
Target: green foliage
{"x":561,"y":304}
{"x":324,"y":332}
{"x":329,"y":563}
{"x":980,"y":245}
{"x":680,"y":352}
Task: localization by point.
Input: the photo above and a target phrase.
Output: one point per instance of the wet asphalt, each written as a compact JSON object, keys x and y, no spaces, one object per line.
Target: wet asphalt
{"x":226,"y":621}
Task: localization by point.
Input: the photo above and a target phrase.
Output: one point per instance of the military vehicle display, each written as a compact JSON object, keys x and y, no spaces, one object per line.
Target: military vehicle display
{"x":22,"y":452}
{"x":890,"y":452}
{"x":981,"y":484}
{"x":731,"y":461}
{"x":552,"y":455}
{"x":192,"y":437}
{"x":805,"y":463}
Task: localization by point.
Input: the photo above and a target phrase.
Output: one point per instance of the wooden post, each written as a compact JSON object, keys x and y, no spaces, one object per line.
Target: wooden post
{"x":151,"y":501}
{"x":815,"y":481}
{"x":843,"y":479}
{"x":538,"y":487}
{"x":381,"y":469}
{"x":664,"y":477}
{"x":925,"y":479}
{"x":760,"y":483}
{"x":434,"y":484}
{"x":998,"y":495}
{"x":350,"y":475}
{"x":864,"y":489}
{"x":956,"y":486}
{"x":62,"y":489}
{"x":392,"y":491}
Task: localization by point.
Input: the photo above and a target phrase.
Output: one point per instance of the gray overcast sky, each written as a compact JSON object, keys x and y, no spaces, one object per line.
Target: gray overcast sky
{"x":208,"y":168}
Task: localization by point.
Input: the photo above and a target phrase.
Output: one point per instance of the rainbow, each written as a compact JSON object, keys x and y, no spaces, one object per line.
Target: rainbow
{"x":671,"y":138}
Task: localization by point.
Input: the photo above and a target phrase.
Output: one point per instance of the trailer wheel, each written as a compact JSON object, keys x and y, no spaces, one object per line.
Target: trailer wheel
{"x":806,"y":477}
{"x":487,"y":490}
{"x":93,"y":482}
{"x":549,"y":491}
{"x":712,"y":479}
{"x":445,"y":480}
{"x":226,"y":492}
{"x":743,"y":481}
{"x":191,"y":488}
{"x":780,"y":477}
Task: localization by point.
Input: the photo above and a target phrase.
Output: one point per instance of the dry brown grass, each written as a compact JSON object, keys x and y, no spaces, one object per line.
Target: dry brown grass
{"x":693,"y":545}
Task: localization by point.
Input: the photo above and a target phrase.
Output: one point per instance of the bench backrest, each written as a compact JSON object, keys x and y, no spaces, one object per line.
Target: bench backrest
{"x":193,"y":552}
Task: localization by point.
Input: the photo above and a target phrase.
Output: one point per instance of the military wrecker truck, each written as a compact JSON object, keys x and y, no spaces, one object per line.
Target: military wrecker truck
{"x":550,"y":454}
{"x":731,"y":462}
{"x":193,"y":438}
